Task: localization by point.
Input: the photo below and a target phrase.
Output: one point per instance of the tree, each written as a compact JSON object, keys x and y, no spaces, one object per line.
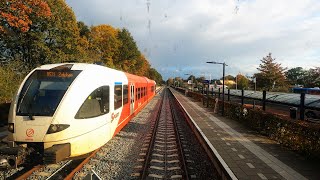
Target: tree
{"x":48,"y":36}
{"x":83,"y":29}
{"x":228,"y":77}
{"x":10,"y":79}
{"x":153,"y":74}
{"x":242,"y":82}
{"x":178,"y":81}
{"x":170,"y":82}
{"x":200,"y":79}
{"x":63,"y":35}
{"x":271,"y":74}
{"x":18,"y":15}
{"x":22,"y":26}
{"x":128,"y":50}
{"x":312,"y":78}
{"x":104,"y":44}
{"x":296,"y":76}
{"x":140,"y":66}
{"x":83,"y":43}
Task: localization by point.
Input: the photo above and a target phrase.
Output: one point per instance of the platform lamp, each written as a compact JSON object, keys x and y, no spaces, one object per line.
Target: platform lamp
{"x":223,"y":71}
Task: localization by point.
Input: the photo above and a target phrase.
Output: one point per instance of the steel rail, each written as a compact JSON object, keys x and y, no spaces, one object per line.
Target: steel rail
{"x":182,"y":157}
{"x":58,"y":170}
{"x":79,"y":167}
{"x":152,"y":140}
{"x":28,"y":173}
{"x":222,"y":172}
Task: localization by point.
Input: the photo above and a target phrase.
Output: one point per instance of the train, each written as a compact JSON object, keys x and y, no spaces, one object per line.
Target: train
{"x":67,"y":110}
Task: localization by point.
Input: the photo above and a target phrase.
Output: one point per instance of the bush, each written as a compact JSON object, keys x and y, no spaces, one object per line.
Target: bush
{"x":10,"y":78}
{"x":297,"y":135}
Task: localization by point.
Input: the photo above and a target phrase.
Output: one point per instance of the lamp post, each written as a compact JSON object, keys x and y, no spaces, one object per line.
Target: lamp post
{"x":223,"y":71}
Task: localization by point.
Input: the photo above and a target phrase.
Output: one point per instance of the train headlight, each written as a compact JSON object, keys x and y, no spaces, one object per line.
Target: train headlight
{"x":57,"y":128}
{"x":11,"y":127}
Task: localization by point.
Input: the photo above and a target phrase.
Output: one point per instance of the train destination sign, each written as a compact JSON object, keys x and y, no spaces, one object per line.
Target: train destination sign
{"x":57,"y":74}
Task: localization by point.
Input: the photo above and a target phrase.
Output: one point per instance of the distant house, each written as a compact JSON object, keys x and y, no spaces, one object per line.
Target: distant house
{"x":215,"y":86}
{"x":229,"y":82}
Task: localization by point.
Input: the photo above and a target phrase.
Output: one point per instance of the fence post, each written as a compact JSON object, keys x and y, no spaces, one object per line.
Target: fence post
{"x":242,"y":97}
{"x":228,"y":94}
{"x":264,"y":96}
{"x":219,"y":93}
{"x":302,"y":109}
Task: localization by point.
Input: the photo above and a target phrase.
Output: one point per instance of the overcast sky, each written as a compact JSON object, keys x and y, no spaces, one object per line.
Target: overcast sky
{"x":179,"y":36}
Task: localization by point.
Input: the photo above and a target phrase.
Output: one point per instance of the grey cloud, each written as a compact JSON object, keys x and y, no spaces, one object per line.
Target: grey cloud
{"x":179,"y":36}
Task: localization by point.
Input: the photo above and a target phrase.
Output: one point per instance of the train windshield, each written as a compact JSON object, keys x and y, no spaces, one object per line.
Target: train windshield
{"x":43,"y":91}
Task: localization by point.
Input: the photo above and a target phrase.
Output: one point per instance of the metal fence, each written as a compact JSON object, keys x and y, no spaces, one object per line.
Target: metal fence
{"x":296,"y":105}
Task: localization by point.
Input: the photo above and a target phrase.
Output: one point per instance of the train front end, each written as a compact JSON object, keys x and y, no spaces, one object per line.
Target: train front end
{"x":32,"y":114}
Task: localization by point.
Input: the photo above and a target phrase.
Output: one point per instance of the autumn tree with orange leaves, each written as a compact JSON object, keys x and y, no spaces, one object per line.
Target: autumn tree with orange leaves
{"x":19,"y":14}
{"x":141,"y":66}
{"x":38,"y":32}
{"x":17,"y":41}
{"x":104,"y":45}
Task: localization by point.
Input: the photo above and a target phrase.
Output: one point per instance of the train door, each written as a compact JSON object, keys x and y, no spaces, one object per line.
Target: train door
{"x":132,"y":98}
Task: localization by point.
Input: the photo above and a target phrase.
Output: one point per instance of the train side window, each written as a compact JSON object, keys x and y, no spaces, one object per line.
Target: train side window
{"x":117,"y":96}
{"x":139,"y":93}
{"x":96,"y":104}
{"x":136,"y":93}
{"x":105,"y":99}
{"x":142,"y":92}
{"x":125,"y":94}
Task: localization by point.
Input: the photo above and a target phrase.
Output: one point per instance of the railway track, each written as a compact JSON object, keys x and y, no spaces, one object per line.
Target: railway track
{"x":165,"y":153}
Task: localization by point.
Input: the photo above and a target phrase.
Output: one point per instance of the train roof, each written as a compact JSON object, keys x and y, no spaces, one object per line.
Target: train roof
{"x":85,"y":66}
{"x":71,"y":66}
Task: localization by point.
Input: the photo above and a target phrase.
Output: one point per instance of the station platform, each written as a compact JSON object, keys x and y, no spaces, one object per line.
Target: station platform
{"x":245,"y":154}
